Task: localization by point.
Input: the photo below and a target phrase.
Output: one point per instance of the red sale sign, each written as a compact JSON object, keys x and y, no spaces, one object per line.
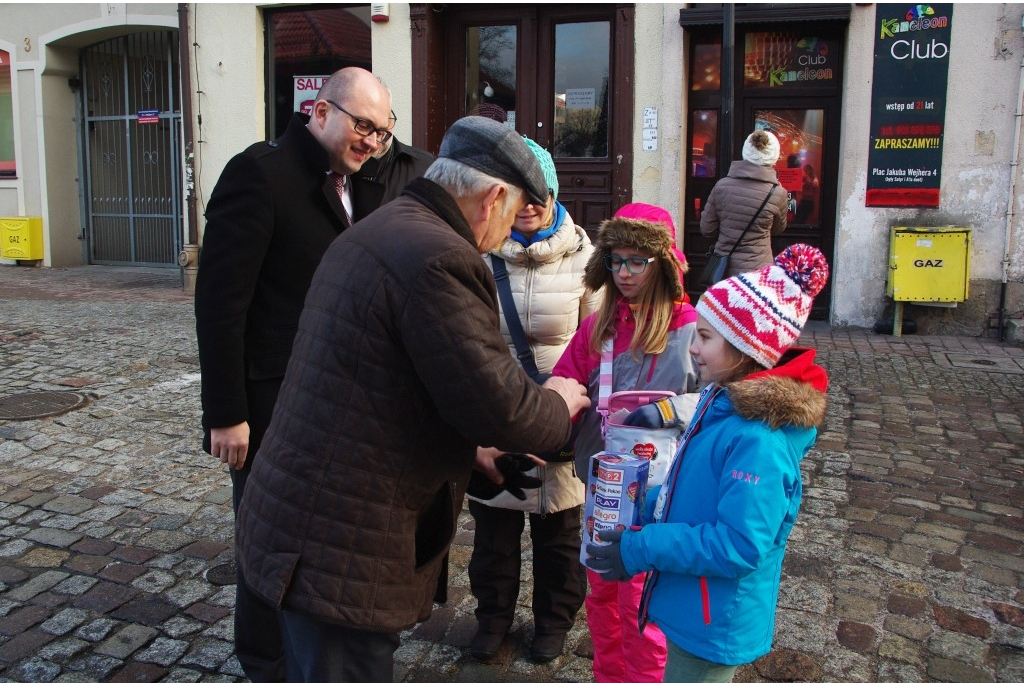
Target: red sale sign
{"x":304,"y":92}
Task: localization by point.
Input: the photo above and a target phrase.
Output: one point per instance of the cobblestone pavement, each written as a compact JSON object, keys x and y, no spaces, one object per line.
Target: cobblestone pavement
{"x":905,"y":565}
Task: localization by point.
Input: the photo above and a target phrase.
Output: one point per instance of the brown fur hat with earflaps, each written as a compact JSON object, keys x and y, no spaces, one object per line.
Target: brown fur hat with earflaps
{"x":641,"y":235}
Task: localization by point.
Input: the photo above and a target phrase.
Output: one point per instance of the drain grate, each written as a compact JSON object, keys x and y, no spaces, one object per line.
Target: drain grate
{"x":36,"y":405}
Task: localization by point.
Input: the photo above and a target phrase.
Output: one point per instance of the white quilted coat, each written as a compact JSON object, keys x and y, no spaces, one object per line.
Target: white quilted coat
{"x":547,"y":285}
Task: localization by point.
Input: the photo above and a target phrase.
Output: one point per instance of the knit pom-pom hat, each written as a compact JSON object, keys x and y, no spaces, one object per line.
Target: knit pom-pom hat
{"x":547,"y":165}
{"x":761,"y":148}
{"x":763,"y":312}
{"x":641,"y":234}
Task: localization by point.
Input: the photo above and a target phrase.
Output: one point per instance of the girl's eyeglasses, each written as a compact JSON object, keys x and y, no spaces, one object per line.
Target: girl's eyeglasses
{"x":634,"y":265}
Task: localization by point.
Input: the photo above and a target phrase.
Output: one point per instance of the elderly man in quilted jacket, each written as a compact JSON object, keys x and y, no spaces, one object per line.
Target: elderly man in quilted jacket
{"x":399,"y":370}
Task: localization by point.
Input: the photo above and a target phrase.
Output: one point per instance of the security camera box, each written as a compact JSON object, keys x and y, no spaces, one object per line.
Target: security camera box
{"x":616,"y":487}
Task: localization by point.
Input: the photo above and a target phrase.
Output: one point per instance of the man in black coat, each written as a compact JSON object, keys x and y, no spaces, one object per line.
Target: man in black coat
{"x":382,"y":178}
{"x":274,"y":211}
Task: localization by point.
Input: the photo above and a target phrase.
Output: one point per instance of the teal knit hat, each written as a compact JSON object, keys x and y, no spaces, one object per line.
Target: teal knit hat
{"x":547,"y":165}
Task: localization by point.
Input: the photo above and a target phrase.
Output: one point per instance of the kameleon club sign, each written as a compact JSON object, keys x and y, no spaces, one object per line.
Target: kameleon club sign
{"x":908,"y":104}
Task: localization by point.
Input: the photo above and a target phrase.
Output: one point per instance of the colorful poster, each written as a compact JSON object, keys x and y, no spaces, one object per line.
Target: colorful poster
{"x":908,"y":104}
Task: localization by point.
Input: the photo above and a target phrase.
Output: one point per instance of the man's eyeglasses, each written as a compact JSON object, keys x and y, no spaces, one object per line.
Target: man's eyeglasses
{"x":634,"y":265}
{"x":365,"y":128}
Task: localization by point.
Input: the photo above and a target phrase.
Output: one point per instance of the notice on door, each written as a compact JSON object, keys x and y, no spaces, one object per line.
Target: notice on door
{"x":908,"y":104}
{"x":580,"y":98}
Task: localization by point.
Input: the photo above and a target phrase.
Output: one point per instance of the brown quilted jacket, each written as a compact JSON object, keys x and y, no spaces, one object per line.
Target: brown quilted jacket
{"x":399,"y":370}
{"x":732,"y":202}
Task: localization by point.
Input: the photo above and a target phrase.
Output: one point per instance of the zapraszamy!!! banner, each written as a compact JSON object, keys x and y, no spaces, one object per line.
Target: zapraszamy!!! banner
{"x":908,"y":104}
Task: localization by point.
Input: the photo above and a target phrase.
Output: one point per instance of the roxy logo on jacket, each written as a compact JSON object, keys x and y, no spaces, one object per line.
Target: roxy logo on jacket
{"x":745,"y":477}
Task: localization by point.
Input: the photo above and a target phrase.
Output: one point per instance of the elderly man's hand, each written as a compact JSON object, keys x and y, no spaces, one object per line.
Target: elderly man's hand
{"x":496,"y":470}
{"x":574,"y":394}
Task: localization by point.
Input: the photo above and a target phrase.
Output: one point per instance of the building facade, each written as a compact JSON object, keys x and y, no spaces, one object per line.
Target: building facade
{"x":116,"y":119}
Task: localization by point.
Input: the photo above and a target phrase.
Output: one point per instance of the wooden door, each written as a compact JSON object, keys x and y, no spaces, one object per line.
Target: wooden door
{"x":559,"y":75}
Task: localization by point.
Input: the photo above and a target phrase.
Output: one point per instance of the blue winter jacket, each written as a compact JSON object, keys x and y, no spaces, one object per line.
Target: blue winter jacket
{"x":728,"y":504}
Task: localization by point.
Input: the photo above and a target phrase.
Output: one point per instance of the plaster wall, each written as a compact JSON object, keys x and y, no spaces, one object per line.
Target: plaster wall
{"x":228,"y":85}
{"x":986,"y":53}
{"x":392,"y":62}
{"x":658,"y":73}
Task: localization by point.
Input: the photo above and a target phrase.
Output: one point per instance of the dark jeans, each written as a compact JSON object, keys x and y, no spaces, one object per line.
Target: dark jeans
{"x":320,"y":652}
{"x":257,"y":635}
{"x":495,"y":564}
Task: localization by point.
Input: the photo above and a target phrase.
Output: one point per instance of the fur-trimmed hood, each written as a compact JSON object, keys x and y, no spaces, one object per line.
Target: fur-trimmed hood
{"x":792,"y":393}
{"x":640,"y":235}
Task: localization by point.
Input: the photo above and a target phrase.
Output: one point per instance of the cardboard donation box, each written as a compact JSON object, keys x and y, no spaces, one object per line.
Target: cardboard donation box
{"x":616,"y":487}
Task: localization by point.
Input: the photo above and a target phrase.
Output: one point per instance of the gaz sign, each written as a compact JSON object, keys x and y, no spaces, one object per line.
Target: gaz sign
{"x":305,"y":90}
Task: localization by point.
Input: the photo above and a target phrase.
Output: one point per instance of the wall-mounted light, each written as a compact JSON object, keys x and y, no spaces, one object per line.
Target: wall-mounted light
{"x":488,"y":91}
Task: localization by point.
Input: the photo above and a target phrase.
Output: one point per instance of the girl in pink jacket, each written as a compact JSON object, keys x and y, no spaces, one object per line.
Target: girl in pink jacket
{"x":651,"y":327}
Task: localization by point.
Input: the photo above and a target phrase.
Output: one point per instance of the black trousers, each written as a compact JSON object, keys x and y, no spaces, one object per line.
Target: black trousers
{"x":257,"y":632}
{"x":494,"y":567}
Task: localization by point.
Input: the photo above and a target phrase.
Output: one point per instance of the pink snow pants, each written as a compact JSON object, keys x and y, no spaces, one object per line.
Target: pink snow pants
{"x":621,"y":653}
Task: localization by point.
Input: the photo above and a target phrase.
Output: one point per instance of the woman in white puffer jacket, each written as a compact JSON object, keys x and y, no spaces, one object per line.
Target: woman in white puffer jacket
{"x":545,"y":257}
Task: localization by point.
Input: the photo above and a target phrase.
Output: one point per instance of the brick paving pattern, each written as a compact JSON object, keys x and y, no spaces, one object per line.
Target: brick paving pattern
{"x":905,"y":564}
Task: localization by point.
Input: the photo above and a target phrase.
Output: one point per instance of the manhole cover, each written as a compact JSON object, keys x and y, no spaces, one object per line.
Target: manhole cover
{"x":995,"y":364}
{"x":36,"y":405}
{"x":222,"y":574}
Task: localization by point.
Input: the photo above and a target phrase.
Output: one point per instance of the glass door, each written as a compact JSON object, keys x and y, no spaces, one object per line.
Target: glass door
{"x":788,"y":79}
{"x":800,"y":133}
{"x":805,"y":170}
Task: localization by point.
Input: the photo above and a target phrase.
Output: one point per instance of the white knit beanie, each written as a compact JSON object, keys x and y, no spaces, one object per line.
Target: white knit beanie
{"x":761,"y":148}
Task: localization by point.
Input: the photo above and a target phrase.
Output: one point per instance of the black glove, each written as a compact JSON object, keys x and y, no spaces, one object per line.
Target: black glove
{"x":513,"y":468}
{"x":660,"y":414}
{"x":606,"y":559}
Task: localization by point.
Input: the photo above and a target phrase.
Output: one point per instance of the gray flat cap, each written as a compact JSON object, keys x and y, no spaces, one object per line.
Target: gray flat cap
{"x":498,"y":151}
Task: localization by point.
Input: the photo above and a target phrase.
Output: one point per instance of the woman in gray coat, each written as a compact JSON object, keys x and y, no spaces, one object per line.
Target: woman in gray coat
{"x":736,"y":197}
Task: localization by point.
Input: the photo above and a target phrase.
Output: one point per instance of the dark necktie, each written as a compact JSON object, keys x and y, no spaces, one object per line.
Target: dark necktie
{"x":339,"y":186}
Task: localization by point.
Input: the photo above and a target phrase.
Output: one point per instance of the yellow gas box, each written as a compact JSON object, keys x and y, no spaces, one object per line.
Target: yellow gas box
{"x":21,"y":237}
{"x":928,"y":264}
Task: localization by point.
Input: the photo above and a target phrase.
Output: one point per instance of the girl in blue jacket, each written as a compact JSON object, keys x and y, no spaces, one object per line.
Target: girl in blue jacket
{"x":721,"y":520}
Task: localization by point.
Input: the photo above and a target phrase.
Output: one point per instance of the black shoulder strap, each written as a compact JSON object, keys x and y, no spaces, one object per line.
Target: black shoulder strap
{"x":753,"y":219}
{"x":515,"y":327}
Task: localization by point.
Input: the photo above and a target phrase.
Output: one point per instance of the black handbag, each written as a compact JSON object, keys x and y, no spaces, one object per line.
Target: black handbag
{"x":716,"y":264}
{"x":714,"y":268}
